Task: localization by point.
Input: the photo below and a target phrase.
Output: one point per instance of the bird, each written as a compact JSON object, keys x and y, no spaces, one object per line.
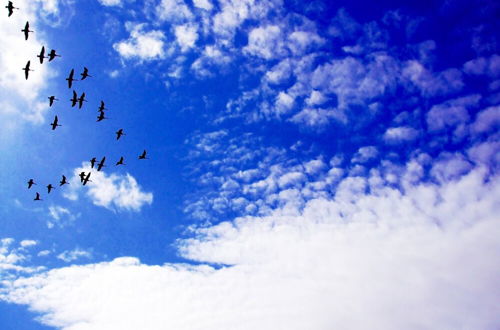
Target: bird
{"x":119,"y":133}
{"x":27,"y":70}
{"x":92,"y":162}
{"x":55,"y":123}
{"x":143,"y":156}
{"x":49,"y":188}
{"x":101,"y":116}
{"x":70,"y":78}
{"x":120,"y":162}
{"x":101,"y":164}
{"x":63,"y":181}
{"x":51,"y":100}
{"x":81,"y":100}
{"x":26,"y":30}
{"x":82,"y":176}
{"x":74,"y":99}
{"x":85,"y":73}
{"x":37,"y":198}
{"x":31,"y":183}
{"x":87,"y":179}
{"x":53,"y":55}
{"x":11,"y":8}
{"x":41,"y":56}
{"x":102,"y":107}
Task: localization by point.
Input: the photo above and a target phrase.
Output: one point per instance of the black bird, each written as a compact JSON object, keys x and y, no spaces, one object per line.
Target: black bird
{"x":41,"y":56}
{"x":27,"y":69}
{"x":85,"y":73}
{"x":82,"y":176}
{"x":31,"y":183}
{"x":143,"y":156}
{"x":37,"y":198}
{"x":63,"y":181}
{"x":70,"y":78}
{"x":81,"y":100}
{"x":51,"y":100}
{"x":92,"y":162}
{"x":55,"y":123}
{"x":26,"y":30}
{"x":101,"y":116}
{"x":101,"y":164}
{"x":11,"y":8}
{"x":74,"y":99}
{"x":119,"y":133}
{"x":120,"y":162}
{"x":87,"y":179}
{"x":102,"y":107}
{"x":53,"y":55}
{"x":49,"y":188}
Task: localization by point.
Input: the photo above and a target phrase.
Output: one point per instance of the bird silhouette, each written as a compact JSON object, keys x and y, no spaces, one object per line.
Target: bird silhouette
{"x":55,"y":123}
{"x":31,"y":183}
{"x":81,"y":100}
{"x":101,"y":164}
{"x":143,"y":156}
{"x":26,"y":30}
{"x":82,"y":176}
{"x":37,"y":198}
{"x":49,"y":188}
{"x":120,"y":162}
{"x":74,"y":99}
{"x":101,"y":116}
{"x":41,"y":56}
{"x":70,"y":78}
{"x":51,"y":100}
{"x":63,"y":181}
{"x":92,"y":162}
{"x":53,"y":55}
{"x":11,"y":8}
{"x":102,"y":107}
{"x":27,"y":70}
{"x":119,"y":133}
{"x":85,"y":73}
{"x":87,"y":179}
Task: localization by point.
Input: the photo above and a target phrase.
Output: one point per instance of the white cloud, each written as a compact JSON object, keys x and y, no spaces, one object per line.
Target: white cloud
{"x":384,"y":255}
{"x":61,"y":216}
{"x":186,"y":36}
{"x":110,"y":3}
{"x":365,"y":154}
{"x":28,"y":243}
{"x":432,"y":84}
{"x":174,"y":11}
{"x":451,"y":113}
{"x":113,"y":191}
{"x":203,"y":4}
{"x":301,"y":42}
{"x":69,"y":256}
{"x":487,"y":120}
{"x":397,"y":135}
{"x":141,"y":45}
{"x":266,"y":42}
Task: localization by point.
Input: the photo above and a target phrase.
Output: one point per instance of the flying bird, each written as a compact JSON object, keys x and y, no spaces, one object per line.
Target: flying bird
{"x":102,"y":107}
{"x":101,"y":116}
{"x":55,"y":123}
{"x":143,"y":156}
{"x":74,"y":99}
{"x":85,"y":73}
{"x":11,"y":8}
{"x":120,"y":162}
{"x":27,"y":70}
{"x":87,"y":179}
{"x":41,"y":56}
{"x":51,"y":100}
{"x":31,"y":183}
{"x":70,"y":78}
{"x":82,"y":176}
{"x":53,"y":55}
{"x":37,"y":198}
{"x":26,"y":30}
{"x":101,"y":164}
{"x":63,"y":181}
{"x":49,"y":188}
{"x":81,"y":100}
{"x":92,"y":162}
{"x":119,"y":133}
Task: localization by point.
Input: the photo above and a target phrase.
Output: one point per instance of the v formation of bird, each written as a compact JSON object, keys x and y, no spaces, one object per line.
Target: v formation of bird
{"x":75,"y":100}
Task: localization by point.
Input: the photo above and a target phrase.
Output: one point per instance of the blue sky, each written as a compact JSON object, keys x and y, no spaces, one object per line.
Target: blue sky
{"x":309,"y":162}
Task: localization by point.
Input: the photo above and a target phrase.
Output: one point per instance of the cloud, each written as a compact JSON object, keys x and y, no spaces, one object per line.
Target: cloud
{"x":110,"y":3}
{"x":266,"y":42}
{"x":203,"y":4}
{"x":384,"y":255}
{"x":113,"y":191}
{"x":174,"y":11}
{"x":186,"y":36}
{"x":61,"y":216}
{"x":27,"y":243}
{"x":365,"y":154}
{"x":145,"y":46}
{"x":398,"y":135}
{"x":14,"y":256}
{"x":68,"y":256}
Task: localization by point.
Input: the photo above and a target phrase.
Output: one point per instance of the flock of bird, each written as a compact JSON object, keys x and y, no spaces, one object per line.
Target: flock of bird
{"x":84,"y":176}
